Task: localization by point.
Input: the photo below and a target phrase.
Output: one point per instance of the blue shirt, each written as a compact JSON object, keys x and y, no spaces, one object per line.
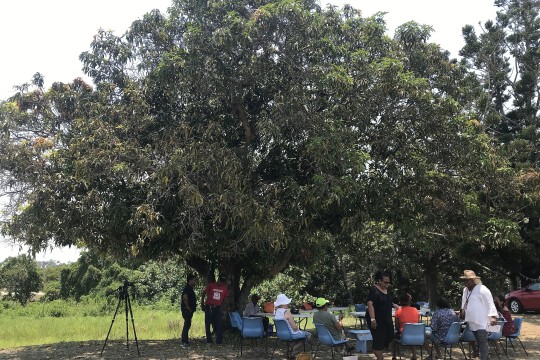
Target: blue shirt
{"x":441,"y":321}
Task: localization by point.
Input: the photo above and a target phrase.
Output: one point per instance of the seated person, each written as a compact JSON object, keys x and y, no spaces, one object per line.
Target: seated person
{"x":328,"y":319}
{"x":252,"y":309}
{"x":441,"y":320}
{"x":405,"y":314}
{"x":282,"y":312}
{"x":509,"y":328}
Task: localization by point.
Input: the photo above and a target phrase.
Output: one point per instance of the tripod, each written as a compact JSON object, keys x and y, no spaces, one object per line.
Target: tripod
{"x":123,"y":295}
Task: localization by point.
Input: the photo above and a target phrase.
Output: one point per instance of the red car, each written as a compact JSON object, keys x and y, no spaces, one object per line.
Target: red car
{"x":526,"y":299}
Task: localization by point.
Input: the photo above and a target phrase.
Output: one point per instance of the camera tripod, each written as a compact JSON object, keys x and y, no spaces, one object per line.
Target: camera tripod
{"x":123,"y":296}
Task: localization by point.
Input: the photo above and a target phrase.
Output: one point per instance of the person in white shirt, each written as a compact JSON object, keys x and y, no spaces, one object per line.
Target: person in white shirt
{"x":477,"y":303}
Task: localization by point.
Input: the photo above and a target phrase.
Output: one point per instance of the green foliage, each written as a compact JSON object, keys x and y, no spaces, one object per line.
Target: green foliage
{"x":20,"y":277}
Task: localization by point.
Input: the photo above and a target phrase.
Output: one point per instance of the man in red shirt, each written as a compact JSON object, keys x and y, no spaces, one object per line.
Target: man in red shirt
{"x":215,"y":294}
{"x":405,"y":314}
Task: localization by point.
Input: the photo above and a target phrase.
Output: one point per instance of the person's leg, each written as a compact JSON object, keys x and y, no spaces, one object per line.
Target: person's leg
{"x":378,"y":344}
{"x":481,"y":340}
{"x":395,"y":346}
{"x":207,"y":322}
{"x":218,"y":325}
{"x":187,"y":315}
{"x":413,"y":352}
{"x":437,"y":349}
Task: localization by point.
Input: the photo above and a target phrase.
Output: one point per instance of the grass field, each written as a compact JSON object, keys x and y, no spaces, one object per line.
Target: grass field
{"x":59,"y":321}
{"x":39,"y":323}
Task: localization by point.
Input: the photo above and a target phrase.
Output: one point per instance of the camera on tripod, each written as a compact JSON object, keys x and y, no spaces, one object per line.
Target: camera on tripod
{"x":123,"y":298}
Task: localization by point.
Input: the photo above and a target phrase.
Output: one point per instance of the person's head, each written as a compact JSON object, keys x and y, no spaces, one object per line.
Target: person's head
{"x":499,"y":300}
{"x":322,"y":303}
{"x":282,"y":301}
{"x":442,"y":303}
{"x":222,"y":279}
{"x":255,"y":298}
{"x":470,"y":279}
{"x":191,"y":278}
{"x":383,"y":279}
{"x":405,"y":299}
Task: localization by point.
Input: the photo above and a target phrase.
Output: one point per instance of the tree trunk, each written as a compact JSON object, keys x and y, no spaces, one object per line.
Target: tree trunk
{"x":430,"y":279}
{"x":346,"y":280}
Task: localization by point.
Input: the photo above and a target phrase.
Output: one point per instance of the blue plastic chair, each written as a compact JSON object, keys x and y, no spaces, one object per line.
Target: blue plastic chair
{"x":236,"y":324}
{"x":452,"y":338}
{"x":283,"y":333}
{"x":252,"y":328}
{"x":515,"y":336}
{"x":235,"y":330}
{"x":413,"y":335}
{"x":325,"y":337}
{"x":467,"y":336}
{"x":360,"y":307}
{"x":494,"y":338}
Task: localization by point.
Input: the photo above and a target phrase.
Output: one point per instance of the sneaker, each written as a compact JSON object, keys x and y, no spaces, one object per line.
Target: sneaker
{"x":185,"y":345}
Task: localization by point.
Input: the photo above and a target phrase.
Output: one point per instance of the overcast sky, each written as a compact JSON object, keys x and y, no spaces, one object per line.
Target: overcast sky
{"x":47,"y":36}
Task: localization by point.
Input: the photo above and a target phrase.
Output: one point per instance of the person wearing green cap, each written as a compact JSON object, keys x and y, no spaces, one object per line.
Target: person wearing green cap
{"x":322,"y":316}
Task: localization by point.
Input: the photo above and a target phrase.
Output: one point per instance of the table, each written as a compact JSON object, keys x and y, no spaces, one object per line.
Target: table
{"x":361,"y":336}
{"x":338,"y":308}
{"x":425,"y":313}
{"x":303,"y":317}
{"x":358,"y":316}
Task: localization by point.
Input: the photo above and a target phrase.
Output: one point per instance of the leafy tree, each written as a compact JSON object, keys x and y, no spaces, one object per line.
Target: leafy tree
{"x":238,"y":135}
{"x":19,"y":276}
{"x":505,"y":59}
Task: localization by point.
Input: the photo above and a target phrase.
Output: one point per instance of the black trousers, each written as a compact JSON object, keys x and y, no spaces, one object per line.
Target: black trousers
{"x":213,"y":316}
{"x":187,"y":315}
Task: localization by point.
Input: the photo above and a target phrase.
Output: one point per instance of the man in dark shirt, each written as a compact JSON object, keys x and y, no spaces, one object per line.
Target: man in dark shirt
{"x":188,"y":306}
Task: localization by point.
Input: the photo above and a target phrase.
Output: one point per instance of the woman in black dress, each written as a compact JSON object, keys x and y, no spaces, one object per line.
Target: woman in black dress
{"x":379,"y":314}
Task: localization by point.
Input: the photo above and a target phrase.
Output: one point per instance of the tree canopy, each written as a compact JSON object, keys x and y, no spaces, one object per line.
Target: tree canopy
{"x":242,"y":135}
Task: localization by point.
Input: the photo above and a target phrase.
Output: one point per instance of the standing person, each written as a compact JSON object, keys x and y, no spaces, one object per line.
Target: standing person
{"x":215,"y":294}
{"x":379,"y":314}
{"x":479,"y":308}
{"x":188,"y":306}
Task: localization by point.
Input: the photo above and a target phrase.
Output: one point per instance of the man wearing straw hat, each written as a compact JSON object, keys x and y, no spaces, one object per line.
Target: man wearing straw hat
{"x":479,"y":308}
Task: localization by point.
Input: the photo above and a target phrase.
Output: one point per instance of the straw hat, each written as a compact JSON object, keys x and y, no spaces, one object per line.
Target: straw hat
{"x":469,"y":274}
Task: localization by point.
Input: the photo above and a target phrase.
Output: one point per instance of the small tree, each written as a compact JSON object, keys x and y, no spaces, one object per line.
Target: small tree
{"x":19,"y":276}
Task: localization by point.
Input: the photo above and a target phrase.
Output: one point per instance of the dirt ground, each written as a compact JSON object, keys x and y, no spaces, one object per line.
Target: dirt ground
{"x":171,"y":350}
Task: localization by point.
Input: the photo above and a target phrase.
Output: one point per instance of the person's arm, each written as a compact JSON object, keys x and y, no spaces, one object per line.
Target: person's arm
{"x":288,"y":316}
{"x":249,"y":310}
{"x":435,"y":322}
{"x":185,"y":299}
{"x":487,"y":298}
{"x":202,"y":299}
{"x":397,"y":322}
{"x":338,"y":323}
{"x":371,"y":311}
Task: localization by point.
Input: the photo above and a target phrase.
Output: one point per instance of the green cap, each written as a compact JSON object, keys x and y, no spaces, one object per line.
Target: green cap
{"x":321,"y":302}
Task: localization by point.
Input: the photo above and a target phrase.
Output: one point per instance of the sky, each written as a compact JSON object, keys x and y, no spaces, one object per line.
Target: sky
{"x":47,"y":36}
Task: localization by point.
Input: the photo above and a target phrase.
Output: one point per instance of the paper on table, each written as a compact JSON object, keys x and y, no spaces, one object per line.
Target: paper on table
{"x":493,"y":328}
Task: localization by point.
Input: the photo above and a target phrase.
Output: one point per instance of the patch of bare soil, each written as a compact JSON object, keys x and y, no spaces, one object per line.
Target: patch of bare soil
{"x":171,"y":349}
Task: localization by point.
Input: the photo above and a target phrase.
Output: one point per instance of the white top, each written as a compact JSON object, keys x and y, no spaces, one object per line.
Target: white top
{"x":279,"y":314}
{"x":480,"y":307}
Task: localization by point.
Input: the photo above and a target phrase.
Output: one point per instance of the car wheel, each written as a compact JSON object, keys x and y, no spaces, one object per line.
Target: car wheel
{"x":515,"y":306}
